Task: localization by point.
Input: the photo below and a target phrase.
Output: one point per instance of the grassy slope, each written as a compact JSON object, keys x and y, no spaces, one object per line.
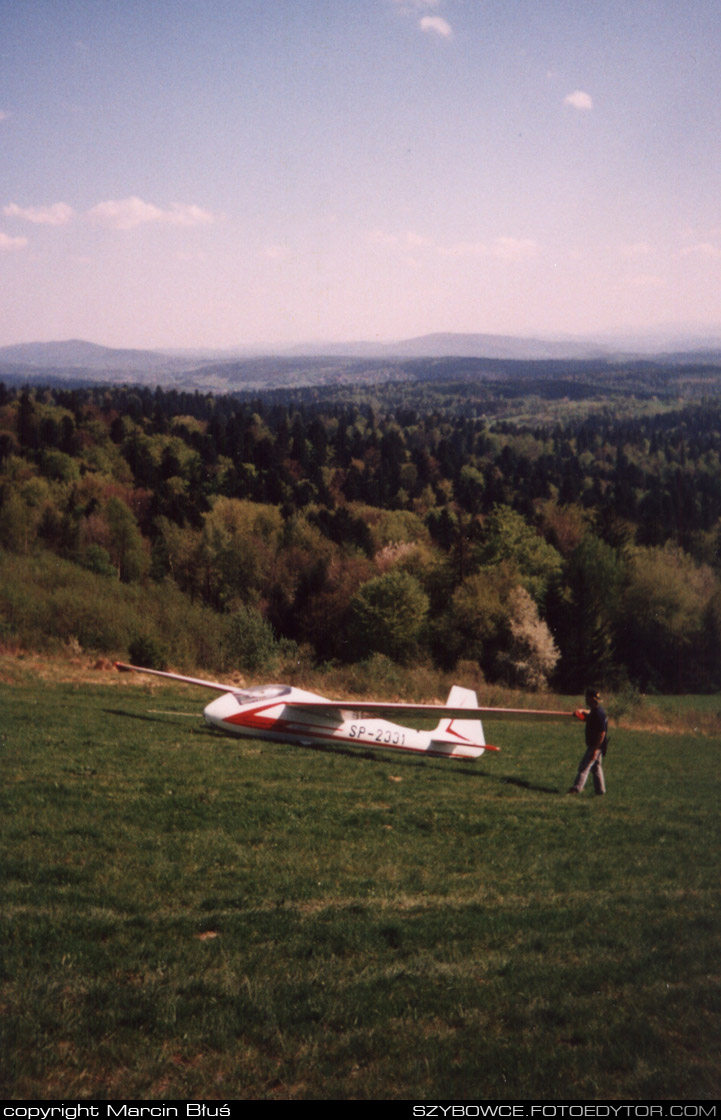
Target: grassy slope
{"x":191,"y":916}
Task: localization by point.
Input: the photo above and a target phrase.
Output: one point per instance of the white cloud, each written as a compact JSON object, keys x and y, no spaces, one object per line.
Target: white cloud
{"x":407,"y":240}
{"x":128,"y":213}
{"x":58,"y":214}
{"x":9,"y":244}
{"x":436,"y":25}
{"x":635,"y":250}
{"x":417,"y":241}
{"x":702,"y":249}
{"x":466,"y":249}
{"x":380,"y":237}
{"x":433,"y":25}
{"x":184,"y":214}
{"x":515,"y":248}
{"x":579,"y":99}
{"x":502,"y":248}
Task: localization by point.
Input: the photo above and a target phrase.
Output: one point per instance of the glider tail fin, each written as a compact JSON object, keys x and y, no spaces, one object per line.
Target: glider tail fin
{"x":462,"y":738}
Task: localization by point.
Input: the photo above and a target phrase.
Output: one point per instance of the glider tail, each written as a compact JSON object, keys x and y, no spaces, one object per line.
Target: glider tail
{"x":461,"y":738}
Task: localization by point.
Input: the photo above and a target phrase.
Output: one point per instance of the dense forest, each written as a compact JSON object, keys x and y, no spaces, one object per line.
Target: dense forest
{"x":544,"y":540}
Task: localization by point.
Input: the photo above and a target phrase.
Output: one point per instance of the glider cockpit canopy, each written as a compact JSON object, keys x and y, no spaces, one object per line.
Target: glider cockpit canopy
{"x":261,"y":693}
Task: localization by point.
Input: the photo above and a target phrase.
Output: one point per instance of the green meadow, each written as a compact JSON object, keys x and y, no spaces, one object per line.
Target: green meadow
{"x":190,"y":916}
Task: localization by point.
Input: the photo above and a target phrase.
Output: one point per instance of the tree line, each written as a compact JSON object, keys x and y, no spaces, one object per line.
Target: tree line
{"x":581,"y":547}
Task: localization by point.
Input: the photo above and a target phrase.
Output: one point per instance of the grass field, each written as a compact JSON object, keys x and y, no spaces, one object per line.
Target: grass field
{"x":191,"y":916}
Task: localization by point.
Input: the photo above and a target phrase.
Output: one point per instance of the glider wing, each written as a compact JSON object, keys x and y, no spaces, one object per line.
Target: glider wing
{"x":371,"y":707}
{"x":174,"y":677}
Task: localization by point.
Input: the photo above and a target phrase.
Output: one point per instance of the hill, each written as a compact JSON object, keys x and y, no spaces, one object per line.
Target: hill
{"x":76,"y":359}
{"x":432,"y":357}
{"x":453,"y":345}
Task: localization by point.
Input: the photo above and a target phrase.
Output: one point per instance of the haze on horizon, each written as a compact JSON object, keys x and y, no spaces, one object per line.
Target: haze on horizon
{"x":259,"y":174}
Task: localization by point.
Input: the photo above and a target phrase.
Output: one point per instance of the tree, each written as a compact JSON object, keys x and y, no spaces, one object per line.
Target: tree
{"x":14,"y":520}
{"x":469,"y":489}
{"x":240,"y":540}
{"x":387,"y":615}
{"x":472,"y":627}
{"x":323,"y":618}
{"x":509,"y":537}
{"x":564,"y":526}
{"x":668,"y":606}
{"x":298,"y":574}
{"x":586,"y":613}
{"x":22,"y":507}
{"x":711,"y":659}
{"x":27,"y":422}
{"x":126,"y":543}
{"x":250,"y":640}
{"x":532,"y":654}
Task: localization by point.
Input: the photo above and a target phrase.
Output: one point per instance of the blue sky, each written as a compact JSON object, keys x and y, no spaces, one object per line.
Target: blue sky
{"x":262,"y":172}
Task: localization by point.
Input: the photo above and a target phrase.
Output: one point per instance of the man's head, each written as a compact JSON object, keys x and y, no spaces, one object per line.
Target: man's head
{"x":592,"y":697}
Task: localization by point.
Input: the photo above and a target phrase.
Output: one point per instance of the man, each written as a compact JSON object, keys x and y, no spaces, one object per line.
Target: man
{"x":596,"y":729}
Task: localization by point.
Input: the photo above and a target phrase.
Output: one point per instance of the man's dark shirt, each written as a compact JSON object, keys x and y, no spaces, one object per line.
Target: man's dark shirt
{"x":596,"y":722}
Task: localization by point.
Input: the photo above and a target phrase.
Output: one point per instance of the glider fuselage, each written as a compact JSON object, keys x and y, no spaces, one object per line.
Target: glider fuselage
{"x":270,"y":712}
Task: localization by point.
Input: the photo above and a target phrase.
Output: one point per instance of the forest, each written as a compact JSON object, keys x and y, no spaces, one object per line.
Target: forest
{"x":530,"y":533}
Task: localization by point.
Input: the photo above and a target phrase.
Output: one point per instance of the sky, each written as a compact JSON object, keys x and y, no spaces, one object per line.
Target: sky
{"x":254,"y":173}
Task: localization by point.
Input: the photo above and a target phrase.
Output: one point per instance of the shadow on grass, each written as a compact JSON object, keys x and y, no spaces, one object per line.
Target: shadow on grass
{"x":420,"y":763}
{"x":358,"y":756}
{"x":523,"y":784}
{"x":362,"y":755}
{"x":161,"y":717}
{"x":385,"y":758}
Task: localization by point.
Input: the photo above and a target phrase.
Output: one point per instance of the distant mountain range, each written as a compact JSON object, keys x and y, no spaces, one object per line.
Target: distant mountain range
{"x":76,"y":354}
{"x":317,"y":364}
{"x":449,"y":345}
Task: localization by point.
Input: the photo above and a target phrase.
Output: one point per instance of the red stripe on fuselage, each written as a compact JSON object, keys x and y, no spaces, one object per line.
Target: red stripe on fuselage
{"x":254,"y":719}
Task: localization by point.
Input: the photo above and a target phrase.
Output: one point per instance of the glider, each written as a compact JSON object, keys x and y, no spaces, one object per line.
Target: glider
{"x":292,"y":715}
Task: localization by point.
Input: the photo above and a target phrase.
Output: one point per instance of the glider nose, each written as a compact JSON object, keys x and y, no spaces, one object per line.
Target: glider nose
{"x":220,"y":709}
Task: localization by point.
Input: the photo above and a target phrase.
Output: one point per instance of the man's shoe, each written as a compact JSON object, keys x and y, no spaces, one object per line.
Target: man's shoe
{"x":572,"y":790}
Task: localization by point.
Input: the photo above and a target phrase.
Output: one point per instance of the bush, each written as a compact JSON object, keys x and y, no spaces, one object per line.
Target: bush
{"x":387,"y":616}
{"x":45,"y":601}
{"x":148,"y":651}
{"x":97,"y":559}
{"x":250,"y":641}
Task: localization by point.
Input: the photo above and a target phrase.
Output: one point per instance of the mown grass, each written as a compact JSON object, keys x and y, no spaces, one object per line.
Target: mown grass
{"x":191,"y":916}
